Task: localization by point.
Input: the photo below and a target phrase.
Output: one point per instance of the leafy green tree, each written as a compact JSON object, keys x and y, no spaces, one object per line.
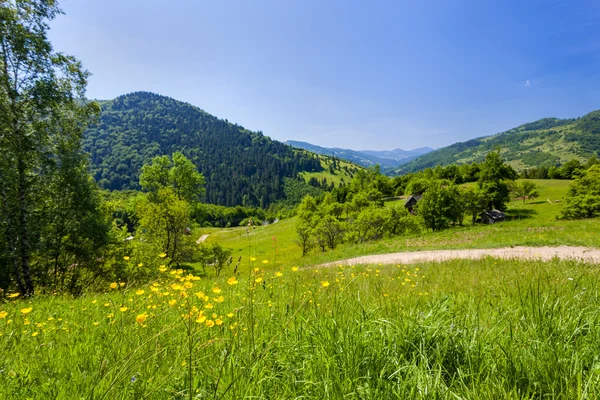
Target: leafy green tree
{"x":438,"y":206}
{"x":493,"y":178}
{"x":417,"y":186}
{"x":475,"y":202}
{"x":307,"y":209}
{"x":400,"y":222}
{"x":524,"y":190}
{"x":304,"y":237}
{"x":165,"y":215}
{"x":329,"y":231}
{"x":41,"y":109}
{"x":180,"y":174}
{"x":222,"y":258}
{"x":370,"y":224}
{"x":583,"y":197}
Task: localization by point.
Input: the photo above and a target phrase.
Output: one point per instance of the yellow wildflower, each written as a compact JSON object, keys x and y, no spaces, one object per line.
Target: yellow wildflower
{"x":232,"y":281}
{"x":265,"y":261}
{"x":200,"y":319}
{"x":210,"y":323}
{"x":278,"y":274}
{"x":114,"y":285}
{"x":216,"y":290}
{"x":3,"y":314}
{"x":162,"y":255}
{"x":172,"y":302}
{"x":121,"y":284}
{"x":140,"y":319}
{"x":253,"y":259}
{"x":123,"y":308}
{"x":230,"y":315}
{"x":208,"y":306}
{"x":162,"y":268}
{"x":126,"y":258}
{"x":139,"y":292}
{"x":188,"y":285}
{"x":219,"y":321}
{"x":220,"y":299}
{"x":26,"y":310}
{"x":13,"y":295}
{"x":295,"y":269}
{"x":140,"y":265}
{"x":324,"y":283}
{"x":258,"y":280}
{"x":34,"y":334}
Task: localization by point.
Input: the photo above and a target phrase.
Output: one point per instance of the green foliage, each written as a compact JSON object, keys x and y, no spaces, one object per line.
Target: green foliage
{"x":240,"y":167}
{"x":179,"y":174}
{"x":441,"y":206}
{"x":305,"y":237}
{"x":524,"y":190}
{"x":165,"y":212}
{"x":49,"y":234}
{"x":221,"y":257}
{"x":492,"y":180}
{"x":583,"y":199}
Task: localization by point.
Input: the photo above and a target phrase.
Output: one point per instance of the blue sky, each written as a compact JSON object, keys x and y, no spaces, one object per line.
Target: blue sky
{"x":354,"y":74}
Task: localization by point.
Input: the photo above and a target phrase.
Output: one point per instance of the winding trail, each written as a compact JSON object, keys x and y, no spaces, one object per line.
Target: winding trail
{"x":202,"y":238}
{"x":585,"y":254}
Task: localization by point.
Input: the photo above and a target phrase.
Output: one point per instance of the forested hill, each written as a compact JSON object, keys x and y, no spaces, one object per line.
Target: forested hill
{"x":240,"y":166}
{"x":547,"y":142}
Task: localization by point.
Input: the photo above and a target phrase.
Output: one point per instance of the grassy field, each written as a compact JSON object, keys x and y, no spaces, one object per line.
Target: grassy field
{"x":531,"y":224}
{"x":336,"y":178}
{"x":484,"y":329}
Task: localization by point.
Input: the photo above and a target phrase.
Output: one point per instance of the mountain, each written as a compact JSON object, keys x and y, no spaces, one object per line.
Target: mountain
{"x":399,"y":154}
{"x":241,"y":167}
{"x":547,"y":142}
{"x":366,"y":158}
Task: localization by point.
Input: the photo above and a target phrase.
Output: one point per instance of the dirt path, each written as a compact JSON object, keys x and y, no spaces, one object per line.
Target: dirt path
{"x":202,"y":238}
{"x":585,"y":254}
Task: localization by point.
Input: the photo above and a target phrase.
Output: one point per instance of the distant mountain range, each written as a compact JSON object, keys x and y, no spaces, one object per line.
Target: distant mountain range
{"x":366,"y":158}
{"x":546,"y":142}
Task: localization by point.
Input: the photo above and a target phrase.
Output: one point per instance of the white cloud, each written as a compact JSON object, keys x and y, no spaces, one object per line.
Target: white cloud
{"x":527,"y":84}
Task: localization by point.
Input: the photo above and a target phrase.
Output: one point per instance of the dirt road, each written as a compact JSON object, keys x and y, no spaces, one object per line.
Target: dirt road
{"x":202,"y":238}
{"x":585,"y":254}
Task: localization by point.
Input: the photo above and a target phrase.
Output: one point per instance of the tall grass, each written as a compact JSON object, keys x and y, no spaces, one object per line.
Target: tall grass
{"x":461,"y":329}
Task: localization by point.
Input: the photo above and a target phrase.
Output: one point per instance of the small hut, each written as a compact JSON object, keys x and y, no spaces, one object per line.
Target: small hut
{"x":411,"y":202}
{"x":491,"y":216}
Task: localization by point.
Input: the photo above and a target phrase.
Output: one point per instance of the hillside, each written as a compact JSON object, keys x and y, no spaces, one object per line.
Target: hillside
{"x":366,"y":158}
{"x":241,"y":167}
{"x":547,"y":142}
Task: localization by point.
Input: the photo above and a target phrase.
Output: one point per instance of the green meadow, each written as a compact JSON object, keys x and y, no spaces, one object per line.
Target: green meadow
{"x":282,"y":327}
{"x":531,"y":223}
{"x":463,"y":329}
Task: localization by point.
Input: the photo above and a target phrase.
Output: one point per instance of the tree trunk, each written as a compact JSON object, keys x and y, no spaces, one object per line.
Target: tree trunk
{"x":23,"y":231}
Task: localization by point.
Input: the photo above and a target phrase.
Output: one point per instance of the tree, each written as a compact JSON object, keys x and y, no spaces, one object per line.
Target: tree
{"x":329,"y":231}
{"x":475,"y":201}
{"x":583,"y":199}
{"x":492,"y":180}
{"x":41,"y":109}
{"x":180,"y":174}
{"x":524,"y":190}
{"x":304,"y":240}
{"x":440,"y":206}
{"x":166,"y":212}
{"x":222,"y":257}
